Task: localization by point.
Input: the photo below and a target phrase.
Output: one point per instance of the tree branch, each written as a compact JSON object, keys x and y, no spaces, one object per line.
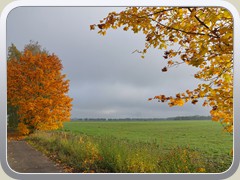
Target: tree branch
{"x":180,"y":30}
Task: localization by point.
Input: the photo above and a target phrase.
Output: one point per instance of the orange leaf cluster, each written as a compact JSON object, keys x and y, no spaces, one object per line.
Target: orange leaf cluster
{"x":202,"y":38}
{"x":37,"y":87}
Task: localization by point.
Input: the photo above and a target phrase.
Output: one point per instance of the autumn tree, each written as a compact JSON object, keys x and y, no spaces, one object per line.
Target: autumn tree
{"x":37,"y":89}
{"x":13,"y":118}
{"x":197,"y":36}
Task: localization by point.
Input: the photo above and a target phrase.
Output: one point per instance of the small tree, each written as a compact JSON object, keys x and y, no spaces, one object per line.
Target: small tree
{"x":39,"y":90}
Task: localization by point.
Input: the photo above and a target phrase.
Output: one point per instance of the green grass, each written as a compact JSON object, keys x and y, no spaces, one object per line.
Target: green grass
{"x":205,"y":136}
{"x":129,"y":147}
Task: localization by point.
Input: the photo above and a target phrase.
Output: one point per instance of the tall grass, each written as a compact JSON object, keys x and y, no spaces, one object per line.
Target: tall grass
{"x":112,"y":155}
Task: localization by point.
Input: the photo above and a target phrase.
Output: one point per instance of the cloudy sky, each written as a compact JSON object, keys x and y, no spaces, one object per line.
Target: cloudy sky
{"x":107,"y":80}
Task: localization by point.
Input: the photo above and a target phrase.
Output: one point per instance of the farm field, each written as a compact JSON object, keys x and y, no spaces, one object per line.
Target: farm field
{"x":138,"y":147}
{"x":206,"y":136}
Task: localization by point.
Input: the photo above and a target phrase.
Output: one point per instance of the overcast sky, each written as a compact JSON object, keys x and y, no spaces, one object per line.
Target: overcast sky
{"x":107,"y":80}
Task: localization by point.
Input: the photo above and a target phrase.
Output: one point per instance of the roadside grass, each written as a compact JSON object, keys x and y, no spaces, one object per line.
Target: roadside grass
{"x":108,"y":154}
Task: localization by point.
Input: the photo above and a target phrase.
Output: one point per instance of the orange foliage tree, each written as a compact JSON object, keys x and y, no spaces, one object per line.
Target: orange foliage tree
{"x":38,"y":91}
{"x":201,"y":37}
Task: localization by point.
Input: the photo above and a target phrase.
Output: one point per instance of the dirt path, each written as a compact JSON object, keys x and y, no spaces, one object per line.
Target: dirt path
{"x":25,"y":159}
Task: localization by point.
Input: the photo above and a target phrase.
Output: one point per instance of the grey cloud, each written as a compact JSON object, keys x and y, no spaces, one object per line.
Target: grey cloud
{"x":106,"y":79}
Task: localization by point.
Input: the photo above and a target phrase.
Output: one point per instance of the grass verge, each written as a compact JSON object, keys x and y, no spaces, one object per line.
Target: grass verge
{"x":86,"y":154}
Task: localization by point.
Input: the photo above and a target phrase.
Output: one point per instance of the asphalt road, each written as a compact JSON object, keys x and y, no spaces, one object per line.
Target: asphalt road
{"x":23,"y":158}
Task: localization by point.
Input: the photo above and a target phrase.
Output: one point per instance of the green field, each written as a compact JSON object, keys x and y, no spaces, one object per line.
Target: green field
{"x":140,"y":146}
{"x":205,"y":136}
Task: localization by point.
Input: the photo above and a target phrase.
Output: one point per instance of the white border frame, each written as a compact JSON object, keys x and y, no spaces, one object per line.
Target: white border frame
{"x":109,"y":3}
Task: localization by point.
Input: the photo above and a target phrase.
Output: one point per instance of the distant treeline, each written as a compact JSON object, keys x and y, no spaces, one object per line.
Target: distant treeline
{"x":197,"y":117}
